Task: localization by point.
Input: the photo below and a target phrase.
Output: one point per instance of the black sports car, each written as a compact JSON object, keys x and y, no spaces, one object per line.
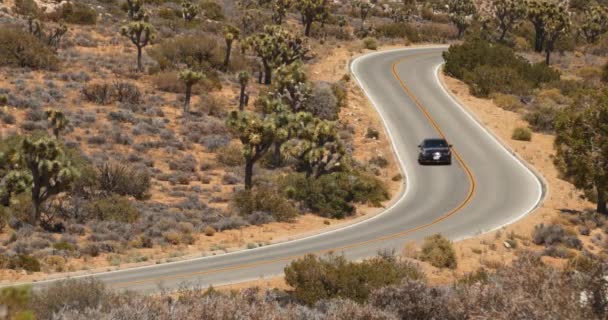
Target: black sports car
{"x":435,"y":151}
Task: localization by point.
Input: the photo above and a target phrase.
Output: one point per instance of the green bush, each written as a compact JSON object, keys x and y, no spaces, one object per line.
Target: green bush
{"x":485,"y":79}
{"x":489,"y":68}
{"x":314,"y":278}
{"x":64,"y":245}
{"x":370,"y":43}
{"x":333,"y":195}
{"x":438,"y":251}
{"x":24,"y":262}
{"x":522,"y":134}
{"x":398,"y":30}
{"x":264,"y":200}
{"x":113,"y":208}
{"x":76,"y":13}
{"x":21,"y":49}
{"x":198,"y":52}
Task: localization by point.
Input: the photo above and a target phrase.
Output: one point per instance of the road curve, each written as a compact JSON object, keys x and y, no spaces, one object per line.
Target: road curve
{"x":485,"y":189}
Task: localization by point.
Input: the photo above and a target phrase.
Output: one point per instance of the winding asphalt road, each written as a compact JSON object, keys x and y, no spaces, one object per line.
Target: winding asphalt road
{"x":484,"y":189}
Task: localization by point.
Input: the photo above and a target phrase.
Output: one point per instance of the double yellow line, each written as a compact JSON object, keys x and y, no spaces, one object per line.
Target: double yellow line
{"x":471,"y":192}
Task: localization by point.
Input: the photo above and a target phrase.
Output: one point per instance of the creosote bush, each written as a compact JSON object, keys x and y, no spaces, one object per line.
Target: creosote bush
{"x":332,"y":276}
{"x":488,"y":68}
{"x":522,"y":134}
{"x":370,"y":43}
{"x":21,"y":49}
{"x":113,"y":208}
{"x":265,"y":200}
{"x":333,"y":195}
{"x":438,"y":251}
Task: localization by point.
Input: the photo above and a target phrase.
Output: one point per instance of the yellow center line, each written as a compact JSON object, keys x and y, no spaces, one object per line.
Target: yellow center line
{"x":471,"y":192}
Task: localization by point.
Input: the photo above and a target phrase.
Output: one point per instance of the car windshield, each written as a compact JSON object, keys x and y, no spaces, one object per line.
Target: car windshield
{"x":435,"y":143}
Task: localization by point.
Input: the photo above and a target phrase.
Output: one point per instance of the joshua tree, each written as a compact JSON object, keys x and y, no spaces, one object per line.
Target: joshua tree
{"x":140,"y":33}
{"x":556,"y":26}
{"x":508,"y":13}
{"x":50,"y":172}
{"x":57,"y":121}
{"x":317,"y":147}
{"x":291,"y":86}
{"x":257,"y":136}
{"x":582,"y":146}
{"x":135,"y":10}
{"x":595,"y":23}
{"x":279,"y":10}
{"x":364,"y":9}
{"x":190,"y":10}
{"x":311,"y":10}
{"x":231,"y":33}
{"x":538,"y":12}
{"x":243,"y":96}
{"x":275,"y":47}
{"x":462,"y":13}
{"x":190,"y":78}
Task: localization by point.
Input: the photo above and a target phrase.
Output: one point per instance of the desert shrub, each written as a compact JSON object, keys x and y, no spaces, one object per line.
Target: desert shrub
{"x":77,"y":295}
{"x":124,"y":180}
{"x":215,"y":141}
{"x":209,"y":231}
{"x":64,"y":245}
{"x":370,"y":43}
{"x":398,"y":30}
{"x":558,"y":251}
{"x":24,"y":262}
{"x":438,"y":251}
{"x":75,"y":12}
{"x":230,"y":179}
{"x":605,"y":73}
{"x":543,"y":110}
{"x":485,"y":79}
{"x":112,"y":208}
{"x":198,"y":52}
{"x":263,"y":199}
{"x":8,"y":118}
{"x":333,"y":195}
{"x":414,"y":299}
{"x":379,"y":161}
{"x":554,"y":234}
{"x":184,"y":164}
{"x":230,"y":155}
{"x":507,"y":101}
{"x":127,"y":93}
{"x":522,"y":134}
{"x":340,"y":91}
{"x":100,"y":93}
{"x":315,"y":279}
{"x":21,"y":49}
{"x":372,"y":133}
{"x":489,"y":68}
{"x":323,"y":103}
